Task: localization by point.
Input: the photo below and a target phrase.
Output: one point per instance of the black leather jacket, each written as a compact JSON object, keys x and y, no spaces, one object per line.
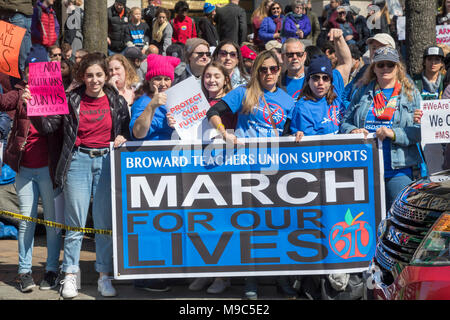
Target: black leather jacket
{"x":45,"y":125}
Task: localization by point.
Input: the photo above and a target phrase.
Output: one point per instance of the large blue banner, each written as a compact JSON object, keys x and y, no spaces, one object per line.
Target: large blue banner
{"x":264,"y":207}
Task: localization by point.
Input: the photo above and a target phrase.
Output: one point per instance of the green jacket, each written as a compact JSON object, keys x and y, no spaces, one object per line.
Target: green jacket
{"x":19,"y":6}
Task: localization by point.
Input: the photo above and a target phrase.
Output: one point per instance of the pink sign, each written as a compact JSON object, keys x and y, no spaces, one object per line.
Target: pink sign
{"x":47,"y":90}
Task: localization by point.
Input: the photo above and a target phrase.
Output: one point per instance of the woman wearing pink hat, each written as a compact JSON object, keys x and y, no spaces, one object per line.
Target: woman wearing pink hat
{"x":148,"y":113}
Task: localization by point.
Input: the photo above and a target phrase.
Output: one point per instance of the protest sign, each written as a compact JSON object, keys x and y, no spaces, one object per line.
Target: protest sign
{"x":435,"y":122}
{"x":10,"y":40}
{"x":267,"y":207}
{"x":47,"y":90}
{"x":443,"y":34}
{"x":189,"y":105}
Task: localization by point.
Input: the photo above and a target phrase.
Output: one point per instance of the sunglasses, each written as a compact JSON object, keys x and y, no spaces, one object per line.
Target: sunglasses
{"x":292,"y":54}
{"x":342,"y":13}
{"x":201,"y":54}
{"x":232,"y":54}
{"x":56,"y":54}
{"x":388,"y":64}
{"x":265,"y":70}
{"x":317,"y":78}
{"x":276,"y":8}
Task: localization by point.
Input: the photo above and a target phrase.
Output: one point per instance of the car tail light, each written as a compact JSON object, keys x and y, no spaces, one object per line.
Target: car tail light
{"x":435,"y":248}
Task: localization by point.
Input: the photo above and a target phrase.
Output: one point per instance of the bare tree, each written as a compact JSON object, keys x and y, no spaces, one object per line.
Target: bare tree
{"x":420,"y":31}
{"x":95,"y":26}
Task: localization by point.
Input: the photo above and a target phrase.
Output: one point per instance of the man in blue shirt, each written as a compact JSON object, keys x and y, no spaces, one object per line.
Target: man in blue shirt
{"x":294,"y":57}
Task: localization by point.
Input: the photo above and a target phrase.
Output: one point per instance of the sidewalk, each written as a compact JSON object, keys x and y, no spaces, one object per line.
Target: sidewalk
{"x":126,"y":291}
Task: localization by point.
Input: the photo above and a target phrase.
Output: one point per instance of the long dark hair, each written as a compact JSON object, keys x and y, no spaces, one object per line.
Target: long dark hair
{"x":227,"y":88}
{"x":240,"y":64}
{"x":309,"y":95}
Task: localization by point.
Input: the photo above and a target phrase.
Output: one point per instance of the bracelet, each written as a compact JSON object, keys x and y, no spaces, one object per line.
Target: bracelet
{"x":393,"y":138}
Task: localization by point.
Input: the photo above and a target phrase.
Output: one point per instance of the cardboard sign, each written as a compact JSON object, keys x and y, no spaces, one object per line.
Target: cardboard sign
{"x":267,"y":207}
{"x":435,"y":122}
{"x":189,"y":105}
{"x":10,"y":40}
{"x":47,"y":90}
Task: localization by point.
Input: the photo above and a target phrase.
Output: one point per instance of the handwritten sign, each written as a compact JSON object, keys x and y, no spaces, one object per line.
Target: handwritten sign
{"x":443,"y":34}
{"x":189,"y":105}
{"x":47,"y":90}
{"x":10,"y":40}
{"x":435,"y":122}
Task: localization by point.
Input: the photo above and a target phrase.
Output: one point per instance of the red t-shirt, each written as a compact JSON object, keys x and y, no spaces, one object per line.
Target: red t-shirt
{"x":95,"y":127}
{"x":35,"y":153}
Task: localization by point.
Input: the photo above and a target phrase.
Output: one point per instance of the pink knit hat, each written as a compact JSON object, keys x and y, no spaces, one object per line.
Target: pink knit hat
{"x":158,"y":65}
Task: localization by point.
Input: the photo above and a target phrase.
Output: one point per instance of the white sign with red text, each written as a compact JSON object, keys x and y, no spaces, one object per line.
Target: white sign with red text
{"x":435,"y":122}
{"x":188,"y":105}
{"x":443,"y":34}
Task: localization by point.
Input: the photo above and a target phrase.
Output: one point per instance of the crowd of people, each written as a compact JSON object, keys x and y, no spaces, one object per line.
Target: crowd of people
{"x":336,"y":72}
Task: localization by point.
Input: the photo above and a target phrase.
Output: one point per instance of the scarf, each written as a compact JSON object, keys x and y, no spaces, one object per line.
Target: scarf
{"x":431,"y":87}
{"x":278,"y":20}
{"x":158,"y":30}
{"x":384,"y":109}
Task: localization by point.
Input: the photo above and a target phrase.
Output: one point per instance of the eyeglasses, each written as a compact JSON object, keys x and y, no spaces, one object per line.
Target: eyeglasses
{"x":388,"y":64}
{"x":265,"y":70}
{"x":292,"y":54}
{"x":317,"y":78}
{"x":56,"y":55}
{"x":201,"y":54}
{"x":224,"y":54}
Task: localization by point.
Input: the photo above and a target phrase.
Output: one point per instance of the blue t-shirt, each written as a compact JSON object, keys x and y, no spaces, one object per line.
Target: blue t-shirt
{"x":159,"y":129}
{"x":258,"y":123}
{"x":372,"y":123}
{"x":318,"y":117}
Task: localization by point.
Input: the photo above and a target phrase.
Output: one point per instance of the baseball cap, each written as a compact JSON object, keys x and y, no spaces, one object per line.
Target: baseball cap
{"x":273,"y":44}
{"x":133,"y":53}
{"x":383,"y":38}
{"x":386,"y":54}
{"x":433,"y":51}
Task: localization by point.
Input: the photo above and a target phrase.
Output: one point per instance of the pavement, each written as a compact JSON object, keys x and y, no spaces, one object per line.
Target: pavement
{"x":126,"y":291}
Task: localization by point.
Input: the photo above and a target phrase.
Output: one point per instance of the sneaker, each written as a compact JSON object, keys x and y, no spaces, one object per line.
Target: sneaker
{"x":26,"y":282}
{"x":105,"y":287}
{"x":50,"y":281}
{"x":251,"y":288}
{"x":199,"y":283}
{"x":155,"y":285}
{"x":218,"y":286}
{"x":69,"y":286}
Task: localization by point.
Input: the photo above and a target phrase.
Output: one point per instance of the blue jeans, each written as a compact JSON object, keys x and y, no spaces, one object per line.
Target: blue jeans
{"x":23,"y":21}
{"x":30,"y":184}
{"x":88,"y":176}
{"x":393,"y":186}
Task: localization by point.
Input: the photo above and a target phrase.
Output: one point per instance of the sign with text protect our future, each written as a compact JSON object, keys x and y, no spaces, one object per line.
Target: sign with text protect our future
{"x":47,"y":90}
{"x":269,"y":207}
{"x":10,"y":41}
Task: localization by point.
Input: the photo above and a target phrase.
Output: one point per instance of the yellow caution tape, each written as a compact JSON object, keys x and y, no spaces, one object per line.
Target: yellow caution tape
{"x":55,"y":224}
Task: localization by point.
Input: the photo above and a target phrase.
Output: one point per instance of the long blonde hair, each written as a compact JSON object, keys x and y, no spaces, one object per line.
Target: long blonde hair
{"x":407,"y":86}
{"x":254,"y":91}
{"x":261,"y":12}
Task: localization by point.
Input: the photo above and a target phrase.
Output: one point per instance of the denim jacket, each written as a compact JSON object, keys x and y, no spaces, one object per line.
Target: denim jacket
{"x":404,"y":151}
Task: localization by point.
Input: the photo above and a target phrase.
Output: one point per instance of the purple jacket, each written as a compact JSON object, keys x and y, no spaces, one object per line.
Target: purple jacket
{"x":289,"y":26}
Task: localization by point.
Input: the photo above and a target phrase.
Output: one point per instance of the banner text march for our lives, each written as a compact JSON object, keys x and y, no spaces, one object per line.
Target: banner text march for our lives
{"x":267,"y":207}
{"x":47,"y":90}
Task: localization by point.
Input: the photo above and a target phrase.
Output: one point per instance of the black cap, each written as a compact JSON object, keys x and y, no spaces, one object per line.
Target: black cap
{"x":133,"y":53}
{"x":434,"y":51}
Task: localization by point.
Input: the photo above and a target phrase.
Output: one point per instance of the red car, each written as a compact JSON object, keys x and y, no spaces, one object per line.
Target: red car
{"x":412,"y":258}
